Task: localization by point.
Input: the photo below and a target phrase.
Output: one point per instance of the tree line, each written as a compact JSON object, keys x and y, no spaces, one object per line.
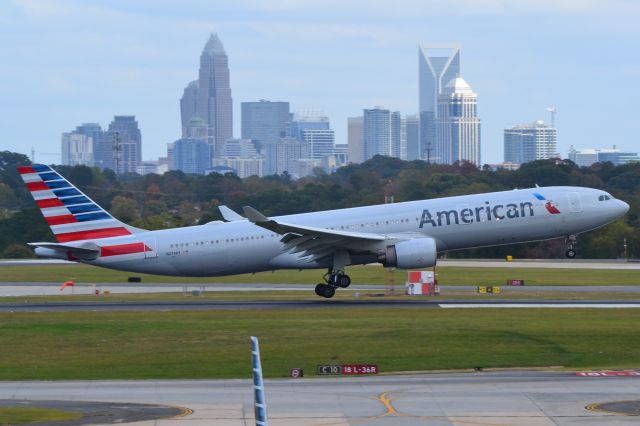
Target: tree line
{"x":177,"y":199}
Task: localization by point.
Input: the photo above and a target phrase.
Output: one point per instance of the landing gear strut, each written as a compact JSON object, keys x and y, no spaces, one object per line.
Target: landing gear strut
{"x":333,"y":279}
{"x":572,"y":242}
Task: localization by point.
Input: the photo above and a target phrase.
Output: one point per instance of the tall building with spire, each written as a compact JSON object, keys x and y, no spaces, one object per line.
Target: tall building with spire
{"x":457,"y":124}
{"x":209,"y":97}
{"x":438,"y":64}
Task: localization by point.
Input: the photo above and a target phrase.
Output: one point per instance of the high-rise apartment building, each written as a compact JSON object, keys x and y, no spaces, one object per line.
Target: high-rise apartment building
{"x":79,"y":146}
{"x":587,"y":157}
{"x":265,"y":121}
{"x":412,"y":131}
{"x":192,"y":155}
{"x":209,"y":97}
{"x":383,"y":133}
{"x":376,"y":132}
{"x":529,"y":142}
{"x":438,"y":64}
{"x":126,"y":140}
{"x":457,"y":124}
{"x":355,"y":139}
{"x":315,"y":130}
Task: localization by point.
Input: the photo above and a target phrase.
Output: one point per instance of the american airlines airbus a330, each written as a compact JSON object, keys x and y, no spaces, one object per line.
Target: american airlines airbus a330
{"x":404,"y":235}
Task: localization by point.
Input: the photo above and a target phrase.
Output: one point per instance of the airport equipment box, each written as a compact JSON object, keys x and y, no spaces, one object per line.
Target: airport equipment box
{"x":421,"y":283}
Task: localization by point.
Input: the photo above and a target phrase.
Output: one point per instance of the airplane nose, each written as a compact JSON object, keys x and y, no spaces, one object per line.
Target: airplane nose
{"x":623,"y":207}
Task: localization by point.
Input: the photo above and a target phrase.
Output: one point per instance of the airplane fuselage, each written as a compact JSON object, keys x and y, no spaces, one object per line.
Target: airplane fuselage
{"x":460,"y":222}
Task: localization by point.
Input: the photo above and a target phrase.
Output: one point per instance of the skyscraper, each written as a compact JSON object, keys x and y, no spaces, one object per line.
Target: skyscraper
{"x":529,"y":142}
{"x":265,"y":121}
{"x":376,"y":132}
{"x":413,"y":137}
{"x":80,"y":145}
{"x":127,"y":143}
{"x":457,"y":125}
{"x":315,"y":130}
{"x":192,"y":155}
{"x":438,"y":64}
{"x":209,"y":97}
{"x":355,"y":139}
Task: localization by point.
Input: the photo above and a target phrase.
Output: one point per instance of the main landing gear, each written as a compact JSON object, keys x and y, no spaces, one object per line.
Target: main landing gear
{"x":333,"y":279}
{"x":572,"y":242}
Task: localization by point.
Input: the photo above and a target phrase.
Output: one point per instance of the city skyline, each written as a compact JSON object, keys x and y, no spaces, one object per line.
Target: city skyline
{"x":88,"y":73}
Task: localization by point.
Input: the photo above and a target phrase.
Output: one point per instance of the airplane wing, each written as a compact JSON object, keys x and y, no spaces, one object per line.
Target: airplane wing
{"x":312,"y":242}
{"x":229,"y":215}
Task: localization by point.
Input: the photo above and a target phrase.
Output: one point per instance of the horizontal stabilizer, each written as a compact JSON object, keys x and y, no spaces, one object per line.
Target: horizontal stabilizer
{"x":85,"y":251}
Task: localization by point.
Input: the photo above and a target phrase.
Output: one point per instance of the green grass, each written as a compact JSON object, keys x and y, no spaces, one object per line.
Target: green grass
{"x":359,"y":274}
{"x":215,"y":344}
{"x":34,"y":415}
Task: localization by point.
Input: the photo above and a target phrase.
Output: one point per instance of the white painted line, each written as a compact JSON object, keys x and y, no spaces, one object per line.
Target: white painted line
{"x":540,"y":305}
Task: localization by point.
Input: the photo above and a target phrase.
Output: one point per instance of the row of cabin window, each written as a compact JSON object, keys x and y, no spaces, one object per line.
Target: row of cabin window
{"x":201,"y":243}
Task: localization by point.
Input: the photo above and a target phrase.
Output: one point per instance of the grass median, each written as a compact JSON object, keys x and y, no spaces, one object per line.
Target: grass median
{"x":215,"y":344}
{"x":447,"y":275}
{"x":34,"y":415}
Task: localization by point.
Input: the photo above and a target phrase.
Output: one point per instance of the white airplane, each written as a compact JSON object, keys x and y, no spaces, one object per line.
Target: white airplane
{"x":404,"y":235}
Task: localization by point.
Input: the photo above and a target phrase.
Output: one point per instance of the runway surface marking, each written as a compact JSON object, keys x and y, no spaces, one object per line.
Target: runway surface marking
{"x":540,"y":305}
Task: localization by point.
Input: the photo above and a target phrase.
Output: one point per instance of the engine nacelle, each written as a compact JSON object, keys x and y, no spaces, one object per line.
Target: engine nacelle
{"x":414,"y":253}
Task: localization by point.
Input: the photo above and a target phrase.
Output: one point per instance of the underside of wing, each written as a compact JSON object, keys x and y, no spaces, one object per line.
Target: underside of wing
{"x":316,"y":243}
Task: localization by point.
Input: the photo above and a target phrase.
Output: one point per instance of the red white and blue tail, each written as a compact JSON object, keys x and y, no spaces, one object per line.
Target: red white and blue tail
{"x":71,"y":215}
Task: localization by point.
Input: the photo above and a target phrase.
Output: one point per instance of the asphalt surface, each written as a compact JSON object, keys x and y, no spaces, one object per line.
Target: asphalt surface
{"x":16,"y":289}
{"x":100,"y":413}
{"x":310,"y":304}
{"x":522,"y":398}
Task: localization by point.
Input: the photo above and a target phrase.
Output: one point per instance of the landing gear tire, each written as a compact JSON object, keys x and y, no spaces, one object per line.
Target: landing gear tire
{"x":571,"y":254}
{"x":343,"y":281}
{"x":325,"y":290}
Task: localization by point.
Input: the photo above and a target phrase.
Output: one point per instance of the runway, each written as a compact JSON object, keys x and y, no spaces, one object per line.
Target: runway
{"x":519,"y":398}
{"x":189,"y":305}
{"x":16,"y":289}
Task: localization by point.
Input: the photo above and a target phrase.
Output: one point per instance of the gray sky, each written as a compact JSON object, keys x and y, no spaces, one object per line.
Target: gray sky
{"x":65,"y":62}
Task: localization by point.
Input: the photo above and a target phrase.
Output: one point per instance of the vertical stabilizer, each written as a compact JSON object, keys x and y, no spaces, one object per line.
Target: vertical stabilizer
{"x":71,"y":215}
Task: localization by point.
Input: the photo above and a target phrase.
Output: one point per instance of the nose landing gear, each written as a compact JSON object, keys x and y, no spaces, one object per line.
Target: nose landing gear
{"x":572,"y":242}
{"x":333,"y":279}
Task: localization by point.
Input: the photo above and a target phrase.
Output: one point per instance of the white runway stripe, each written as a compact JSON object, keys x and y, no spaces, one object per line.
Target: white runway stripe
{"x":539,"y":305}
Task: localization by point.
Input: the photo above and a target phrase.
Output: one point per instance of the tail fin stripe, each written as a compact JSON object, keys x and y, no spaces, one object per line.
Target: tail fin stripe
{"x":66,"y":192}
{"x":92,"y":216}
{"x":55,"y":211}
{"x":31,"y":177}
{"x":25,"y":170}
{"x":60,"y":220}
{"x":40,"y":195}
{"x":49,"y":176}
{"x":49,"y":202}
{"x":85,"y":226}
{"x":58,"y":184}
{"x":40,"y":168}
{"x":75,"y":200}
{"x":37,"y":186}
{"x":84,"y":208}
{"x":93,"y":234}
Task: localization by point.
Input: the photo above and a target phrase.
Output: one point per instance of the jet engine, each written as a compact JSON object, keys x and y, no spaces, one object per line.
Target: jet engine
{"x":414,"y":253}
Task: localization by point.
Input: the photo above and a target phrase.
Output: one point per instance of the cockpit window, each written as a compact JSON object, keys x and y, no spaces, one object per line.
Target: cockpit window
{"x":604,"y":197}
